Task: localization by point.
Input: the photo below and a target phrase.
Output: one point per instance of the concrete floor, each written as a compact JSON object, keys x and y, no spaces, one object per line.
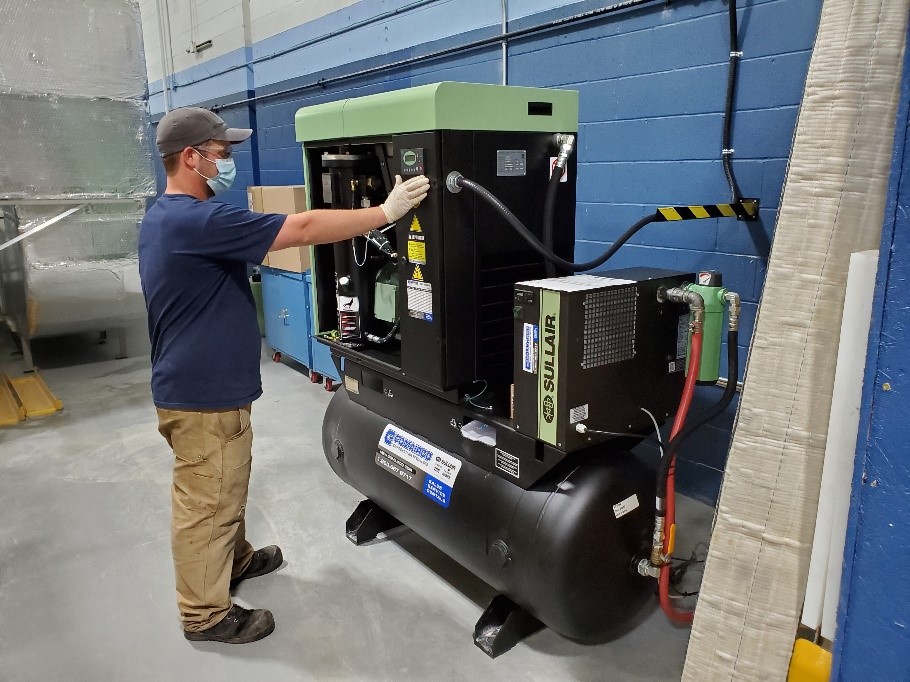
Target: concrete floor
{"x":86,"y":580}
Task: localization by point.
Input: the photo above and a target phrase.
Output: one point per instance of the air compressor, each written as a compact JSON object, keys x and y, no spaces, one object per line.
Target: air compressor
{"x":490,"y":398}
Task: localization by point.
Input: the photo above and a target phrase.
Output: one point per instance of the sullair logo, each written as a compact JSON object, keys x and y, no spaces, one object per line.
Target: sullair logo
{"x":549,"y":367}
{"x":549,"y":409}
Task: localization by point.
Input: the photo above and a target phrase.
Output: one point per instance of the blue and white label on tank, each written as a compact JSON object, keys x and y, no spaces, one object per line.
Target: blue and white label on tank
{"x":420,"y":464}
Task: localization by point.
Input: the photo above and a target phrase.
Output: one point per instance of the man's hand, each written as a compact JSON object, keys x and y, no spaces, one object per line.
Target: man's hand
{"x":405,"y":196}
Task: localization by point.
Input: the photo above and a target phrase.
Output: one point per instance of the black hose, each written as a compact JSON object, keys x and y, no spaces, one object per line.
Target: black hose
{"x":535,"y":244}
{"x":388,"y":337}
{"x":727,"y":148}
{"x":549,"y":209}
{"x":670,"y":451}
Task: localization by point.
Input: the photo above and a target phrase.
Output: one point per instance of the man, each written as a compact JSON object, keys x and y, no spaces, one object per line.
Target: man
{"x":205,"y":356}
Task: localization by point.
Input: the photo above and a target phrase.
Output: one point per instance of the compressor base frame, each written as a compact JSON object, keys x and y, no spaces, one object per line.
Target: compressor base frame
{"x":502,"y":625}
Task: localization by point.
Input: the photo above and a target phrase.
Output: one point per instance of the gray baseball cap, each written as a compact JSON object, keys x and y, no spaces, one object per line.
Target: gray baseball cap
{"x":190,"y":126}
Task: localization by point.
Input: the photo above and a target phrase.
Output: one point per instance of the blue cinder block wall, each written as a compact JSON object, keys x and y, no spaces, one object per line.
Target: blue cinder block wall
{"x":873,"y":620}
{"x":651,"y":79}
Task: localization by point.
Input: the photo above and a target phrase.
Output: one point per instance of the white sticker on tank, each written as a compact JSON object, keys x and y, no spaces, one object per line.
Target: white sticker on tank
{"x":419,"y":464}
{"x":627,"y":505}
{"x":421,"y":454}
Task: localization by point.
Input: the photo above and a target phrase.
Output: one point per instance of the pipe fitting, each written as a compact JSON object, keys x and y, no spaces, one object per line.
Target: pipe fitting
{"x":647,"y":569}
{"x":657,"y":542}
{"x":453,"y":182}
{"x":732,"y":298}
{"x":692,"y":298}
{"x":566,"y":145}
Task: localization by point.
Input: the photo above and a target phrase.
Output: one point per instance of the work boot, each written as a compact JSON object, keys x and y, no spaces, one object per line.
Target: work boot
{"x":239,"y":626}
{"x":264,"y":561}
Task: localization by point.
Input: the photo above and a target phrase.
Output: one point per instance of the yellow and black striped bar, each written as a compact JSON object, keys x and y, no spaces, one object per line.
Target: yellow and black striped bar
{"x":747,"y":209}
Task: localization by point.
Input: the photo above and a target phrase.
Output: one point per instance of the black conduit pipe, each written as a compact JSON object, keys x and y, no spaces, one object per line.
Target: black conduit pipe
{"x":727,"y":147}
{"x":458,"y":181}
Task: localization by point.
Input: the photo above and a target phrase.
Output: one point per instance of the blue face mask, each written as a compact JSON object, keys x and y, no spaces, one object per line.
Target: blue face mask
{"x":227,"y":171}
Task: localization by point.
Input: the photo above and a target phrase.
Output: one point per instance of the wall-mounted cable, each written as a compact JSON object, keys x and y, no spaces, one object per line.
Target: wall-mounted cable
{"x":727,"y":150}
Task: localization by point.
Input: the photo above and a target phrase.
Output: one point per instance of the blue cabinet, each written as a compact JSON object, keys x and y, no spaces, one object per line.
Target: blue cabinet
{"x":286,"y":308}
{"x":322,"y":356}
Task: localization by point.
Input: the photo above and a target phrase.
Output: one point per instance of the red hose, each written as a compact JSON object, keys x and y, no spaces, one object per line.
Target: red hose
{"x":684,"y":404}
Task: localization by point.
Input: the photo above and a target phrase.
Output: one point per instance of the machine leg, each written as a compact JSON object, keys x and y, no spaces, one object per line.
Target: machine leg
{"x":121,"y":340}
{"x":27,"y":354}
{"x":368,"y":521}
{"x":503,"y":625}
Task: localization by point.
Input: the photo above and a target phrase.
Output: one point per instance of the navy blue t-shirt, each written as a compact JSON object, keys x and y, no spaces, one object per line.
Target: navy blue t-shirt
{"x":201,"y":313}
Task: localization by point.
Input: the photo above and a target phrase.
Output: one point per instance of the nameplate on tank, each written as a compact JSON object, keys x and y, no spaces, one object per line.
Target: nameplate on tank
{"x":421,"y":465}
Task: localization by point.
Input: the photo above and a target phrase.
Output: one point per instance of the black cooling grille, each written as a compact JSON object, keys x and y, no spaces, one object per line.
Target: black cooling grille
{"x":497,"y":277}
{"x":609,"y":326}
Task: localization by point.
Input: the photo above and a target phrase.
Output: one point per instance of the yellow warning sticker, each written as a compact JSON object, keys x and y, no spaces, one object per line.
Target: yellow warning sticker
{"x":417,"y":252}
{"x":415,"y":225}
{"x":418,"y":274}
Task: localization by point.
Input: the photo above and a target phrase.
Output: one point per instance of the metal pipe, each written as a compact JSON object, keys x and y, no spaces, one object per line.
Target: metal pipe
{"x":165,"y":77}
{"x":46,"y":223}
{"x":484,"y":42}
{"x":657,"y":540}
{"x":505,"y":42}
{"x":723,"y":381}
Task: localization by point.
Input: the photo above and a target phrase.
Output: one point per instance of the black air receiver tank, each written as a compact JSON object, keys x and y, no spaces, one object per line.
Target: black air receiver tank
{"x":562,"y":549}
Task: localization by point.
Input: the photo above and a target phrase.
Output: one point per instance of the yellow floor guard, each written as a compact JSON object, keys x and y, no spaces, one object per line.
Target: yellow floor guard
{"x":34,"y":396}
{"x":11,"y":410}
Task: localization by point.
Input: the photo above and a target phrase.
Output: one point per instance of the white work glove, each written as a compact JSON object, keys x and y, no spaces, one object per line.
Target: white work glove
{"x":405,"y":196}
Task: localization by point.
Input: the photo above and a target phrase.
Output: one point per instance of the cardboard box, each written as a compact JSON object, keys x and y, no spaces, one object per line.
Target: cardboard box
{"x":282,"y":199}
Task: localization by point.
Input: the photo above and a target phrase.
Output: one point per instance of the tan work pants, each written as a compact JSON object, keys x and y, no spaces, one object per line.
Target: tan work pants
{"x":212,"y":457}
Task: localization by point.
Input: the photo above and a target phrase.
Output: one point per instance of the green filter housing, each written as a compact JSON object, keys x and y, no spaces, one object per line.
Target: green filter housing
{"x":386,"y":294}
{"x":712,"y":335}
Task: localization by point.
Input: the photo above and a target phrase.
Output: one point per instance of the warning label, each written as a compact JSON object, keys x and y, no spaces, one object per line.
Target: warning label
{"x":417,"y":252}
{"x":418,"y":274}
{"x":507,"y":462}
{"x":565,"y":171}
{"x":415,"y":225}
{"x":420,"y":299}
